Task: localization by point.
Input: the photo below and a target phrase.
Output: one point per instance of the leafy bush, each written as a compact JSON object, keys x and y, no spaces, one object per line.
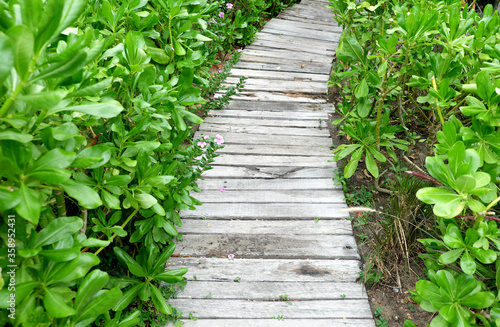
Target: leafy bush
{"x":97,"y":101}
{"x":434,"y":63}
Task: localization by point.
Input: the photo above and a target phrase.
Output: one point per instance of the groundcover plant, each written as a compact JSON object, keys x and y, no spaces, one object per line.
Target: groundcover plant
{"x":97,"y":101}
{"x":402,"y":64}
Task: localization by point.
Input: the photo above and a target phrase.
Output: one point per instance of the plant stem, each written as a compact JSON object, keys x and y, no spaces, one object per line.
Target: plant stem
{"x":440,"y":114}
{"x":60,"y":203}
{"x":123,"y":226}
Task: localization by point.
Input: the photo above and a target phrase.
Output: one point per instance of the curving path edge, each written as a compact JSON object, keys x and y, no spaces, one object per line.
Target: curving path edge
{"x":296,"y":261}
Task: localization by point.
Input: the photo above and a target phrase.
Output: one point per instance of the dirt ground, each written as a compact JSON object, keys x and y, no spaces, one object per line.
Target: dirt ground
{"x":390,"y":298}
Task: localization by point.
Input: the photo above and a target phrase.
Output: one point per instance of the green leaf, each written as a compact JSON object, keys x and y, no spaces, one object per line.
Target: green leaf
{"x":350,"y":168}
{"x":22,"y":41}
{"x":448,"y":204}
{"x":145,"y":200}
{"x":467,"y":263}
{"x":99,"y":151}
{"x":371,"y":165}
{"x":56,"y":158}
{"x":90,"y":285}
{"x":60,"y":255}
{"x":105,"y":109}
{"x":132,"y":265}
{"x":100,"y":304}
{"x":82,"y":265}
{"x":168,"y":278}
{"x":7,"y":55}
{"x":29,"y":207}
{"x":44,"y":100}
{"x":15,"y":136}
{"x":9,"y":199}
{"x":56,"y":305}
{"x":58,"y":229}
{"x":479,"y":300}
{"x":52,"y":176}
{"x":63,"y":69}
{"x":86,"y":196}
{"x":353,"y":48}
{"x":362,"y":89}
{"x":129,"y":295}
{"x":465,"y":184}
{"x":159,"y":301}
{"x":450,"y":256}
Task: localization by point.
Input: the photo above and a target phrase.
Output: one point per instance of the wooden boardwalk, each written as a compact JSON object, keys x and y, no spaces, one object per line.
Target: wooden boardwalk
{"x":270,"y":199}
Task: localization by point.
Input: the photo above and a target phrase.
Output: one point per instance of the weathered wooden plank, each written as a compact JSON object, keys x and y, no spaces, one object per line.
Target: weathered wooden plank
{"x":299,"y":40}
{"x":266,"y":227}
{"x":269,"y":246}
{"x":315,"y":151}
{"x":258,"y":139}
{"x":268,"y":211}
{"x":287,"y":54}
{"x":277,"y":96}
{"x":295,"y":15}
{"x":294,"y":18}
{"x":270,"y":172}
{"x":278,"y":323}
{"x":266,"y":196}
{"x":307,"y":34}
{"x":320,"y":62}
{"x":270,"y":130}
{"x":277,"y":75}
{"x":280,"y":106}
{"x":265,"y":184}
{"x":281,"y":86}
{"x":319,"y":309}
{"x":309,"y":25}
{"x":272,"y":290}
{"x":275,"y":270}
{"x":269,"y":45}
{"x":266,"y":122}
{"x":283,"y":25}
{"x":298,"y":115}
{"x":287,"y":67}
{"x":271,"y":161}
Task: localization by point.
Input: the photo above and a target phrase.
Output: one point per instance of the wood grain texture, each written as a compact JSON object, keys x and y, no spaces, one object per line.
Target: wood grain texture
{"x":267,"y":196}
{"x":270,"y":172}
{"x":266,"y":130}
{"x":275,"y":270}
{"x":267,"y":122}
{"x":268,"y":211}
{"x":303,"y":67}
{"x":266,"y":227}
{"x":278,"y":323}
{"x":268,"y":184}
{"x":269,"y":85}
{"x":269,"y":246}
{"x":298,"y":115}
{"x":282,"y":150}
{"x":272,"y":290}
{"x":277,"y":75}
{"x":289,"y":106}
{"x":279,"y":140}
{"x":271,"y":161}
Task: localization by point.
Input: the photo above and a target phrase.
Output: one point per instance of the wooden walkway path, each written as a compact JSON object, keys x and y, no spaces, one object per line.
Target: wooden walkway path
{"x":280,"y":211}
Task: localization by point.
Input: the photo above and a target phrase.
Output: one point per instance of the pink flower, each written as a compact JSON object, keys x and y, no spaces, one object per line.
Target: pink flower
{"x":220,"y":70}
{"x":239,"y":50}
{"x":246,"y":76}
{"x":212,"y":21}
{"x":212,"y":98}
{"x":202,"y":144}
{"x":229,"y":5}
{"x":238,"y":114}
{"x":221,"y":14}
{"x":219,"y":139}
{"x":230,"y":256}
{"x":205,"y":137}
{"x":222,"y":189}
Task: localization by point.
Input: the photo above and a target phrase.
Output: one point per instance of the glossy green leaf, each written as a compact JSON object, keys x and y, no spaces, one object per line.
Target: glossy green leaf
{"x":56,"y":158}
{"x":7,"y":55}
{"x":467,"y":263}
{"x":159,"y":301}
{"x":132,"y":265}
{"x":29,"y":206}
{"x":145,"y":200}
{"x":127,"y":297}
{"x":99,"y":304}
{"x":362,"y":89}
{"x":86,"y":196}
{"x":56,"y":305}
{"x":22,"y":41}
{"x":105,"y":109}
{"x":450,"y":256}
{"x":447,"y":204}
{"x":44,"y":100}
{"x":60,"y":255}
{"x":57,"y":230}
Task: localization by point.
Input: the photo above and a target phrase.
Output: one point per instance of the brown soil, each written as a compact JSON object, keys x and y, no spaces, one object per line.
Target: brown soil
{"x":390,"y":298}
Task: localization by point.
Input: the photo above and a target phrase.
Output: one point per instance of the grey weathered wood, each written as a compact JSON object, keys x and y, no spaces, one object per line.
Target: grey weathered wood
{"x":266,"y":184}
{"x":265,"y":196}
{"x":294,"y":18}
{"x":307,"y":34}
{"x":270,"y":45}
{"x":306,"y":42}
{"x":272,"y":290}
{"x":278,"y":323}
{"x":319,"y":309}
{"x":283,"y":140}
{"x":286,"y":54}
{"x":315,"y":116}
{"x":270,"y":130}
{"x":266,"y":227}
{"x":266,"y":122}
{"x":280,"y":86}
{"x":237,"y":104}
{"x":269,"y":246}
{"x":295,"y":15}
{"x":262,"y":96}
{"x":268,"y":211}
{"x":270,"y":172}
{"x":277,"y":75}
{"x":271,"y":161}
{"x":276,"y":270}
{"x":286,"y":67}
{"x":315,"y":151}
{"x":313,"y":26}
{"x":302,"y":60}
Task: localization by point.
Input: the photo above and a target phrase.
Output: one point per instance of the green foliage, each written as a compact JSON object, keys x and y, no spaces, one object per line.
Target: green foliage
{"x":434,"y":63}
{"x":97,"y":101}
